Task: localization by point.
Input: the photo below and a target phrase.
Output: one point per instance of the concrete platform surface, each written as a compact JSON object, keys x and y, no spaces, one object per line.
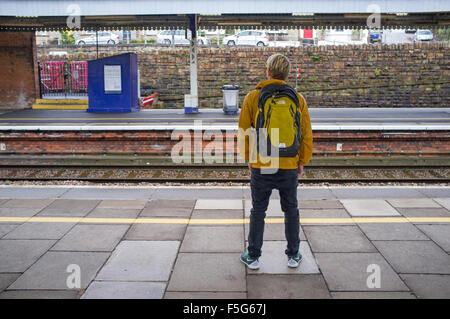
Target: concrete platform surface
{"x":185,"y":242}
{"x":321,"y":118}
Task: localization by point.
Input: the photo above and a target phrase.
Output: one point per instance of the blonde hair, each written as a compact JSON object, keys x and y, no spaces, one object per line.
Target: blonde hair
{"x":279,"y":66}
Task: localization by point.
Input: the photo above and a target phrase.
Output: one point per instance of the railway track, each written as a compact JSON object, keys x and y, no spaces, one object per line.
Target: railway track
{"x":201,"y":173}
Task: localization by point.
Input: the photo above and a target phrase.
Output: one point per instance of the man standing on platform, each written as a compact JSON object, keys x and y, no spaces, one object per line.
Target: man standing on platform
{"x":275,"y":137}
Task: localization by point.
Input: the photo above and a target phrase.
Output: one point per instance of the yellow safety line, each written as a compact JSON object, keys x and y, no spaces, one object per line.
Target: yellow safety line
{"x":231,"y":221}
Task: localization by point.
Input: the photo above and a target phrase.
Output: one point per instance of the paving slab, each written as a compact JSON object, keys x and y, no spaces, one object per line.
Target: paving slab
{"x":168,"y":208}
{"x":18,"y":212}
{"x":320,"y":204}
{"x":218,"y":204}
{"x":92,"y":238}
{"x":287,"y":287}
{"x":40,"y":294}
{"x":50,"y":271}
{"x":7,"y":228}
{"x":372,"y":295}
{"x":113,"y":213}
{"x":424,"y":212}
{"x":123,"y":204}
{"x":124,"y":290}
{"x":205,"y":295}
{"x":197,"y":193}
{"x":274,"y":260}
{"x":392,"y":231}
{"x":217,"y":214}
{"x":32,"y":192}
{"x":140,"y":261}
{"x":376,"y":192}
{"x":413,"y":203}
{"x":18,"y":255}
{"x":2,"y":201}
{"x":40,"y":231}
{"x":323,"y":214}
{"x":118,"y":193}
{"x":69,"y":207}
{"x":213,"y":239}
{"x":273,"y":231}
{"x":440,"y":234}
{"x":349,"y":272}
{"x":319,"y":193}
{"x":213,"y":272}
{"x":342,"y":239}
{"x":444,"y":202}
{"x":428,"y":286}
{"x":164,"y":231}
{"x":433,"y":192}
{"x":415,"y":256}
{"x":7,"y":279}
{"x":27,"y":203}
{"x":368,"y":207}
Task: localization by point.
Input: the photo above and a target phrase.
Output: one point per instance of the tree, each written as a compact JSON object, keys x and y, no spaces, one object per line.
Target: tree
{"x":67,"y":37}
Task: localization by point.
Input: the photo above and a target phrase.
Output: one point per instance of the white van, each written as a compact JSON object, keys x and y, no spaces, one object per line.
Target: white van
{"x":248,"y":37}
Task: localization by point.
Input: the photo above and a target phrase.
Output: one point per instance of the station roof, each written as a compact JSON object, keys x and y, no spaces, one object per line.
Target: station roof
{"x":168,"y":14}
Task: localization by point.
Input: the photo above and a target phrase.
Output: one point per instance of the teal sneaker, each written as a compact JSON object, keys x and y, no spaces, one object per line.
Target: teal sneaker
{"x":251,"y":263}
{"x":294,"y":261}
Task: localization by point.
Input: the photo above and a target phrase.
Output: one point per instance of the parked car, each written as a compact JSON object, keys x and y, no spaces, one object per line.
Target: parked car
{"x":103,"y":38}
{"x":423,"y":35}
{"x":249,"y":37}
{"x":179,"y":36}
{"x":375,"y":36}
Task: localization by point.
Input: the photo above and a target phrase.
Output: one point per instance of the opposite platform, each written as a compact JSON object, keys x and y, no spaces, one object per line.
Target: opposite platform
{"x":321,"y":119}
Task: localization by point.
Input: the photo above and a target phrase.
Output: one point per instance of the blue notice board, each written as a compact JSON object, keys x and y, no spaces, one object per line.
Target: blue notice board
{"x":113,"y":84}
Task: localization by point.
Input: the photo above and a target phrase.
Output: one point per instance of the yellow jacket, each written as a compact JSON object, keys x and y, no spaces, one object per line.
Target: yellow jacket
{"x":247,"y":119}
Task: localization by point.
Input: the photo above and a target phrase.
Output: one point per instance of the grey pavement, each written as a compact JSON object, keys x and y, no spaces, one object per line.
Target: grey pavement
{"x":185,"y":242}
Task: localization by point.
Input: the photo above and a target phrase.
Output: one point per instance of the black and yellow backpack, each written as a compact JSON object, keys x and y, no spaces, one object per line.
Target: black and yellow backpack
{"x":278,"y":108}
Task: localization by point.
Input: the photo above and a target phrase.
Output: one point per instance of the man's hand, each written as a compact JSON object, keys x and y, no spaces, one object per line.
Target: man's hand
{"x":300,"y":170}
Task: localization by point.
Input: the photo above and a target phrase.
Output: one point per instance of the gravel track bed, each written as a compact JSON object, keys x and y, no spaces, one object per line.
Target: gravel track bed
{"x":220,"y":174}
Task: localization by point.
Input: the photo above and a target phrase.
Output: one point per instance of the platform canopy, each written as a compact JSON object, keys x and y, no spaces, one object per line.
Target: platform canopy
{"x":254,"y":14}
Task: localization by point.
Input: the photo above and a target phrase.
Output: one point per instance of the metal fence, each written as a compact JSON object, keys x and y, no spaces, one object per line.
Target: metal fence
{"x":63,"y":78}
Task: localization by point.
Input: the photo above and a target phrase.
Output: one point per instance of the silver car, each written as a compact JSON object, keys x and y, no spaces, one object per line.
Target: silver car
{"x":103,"y":38}
{"x":179,"y":37}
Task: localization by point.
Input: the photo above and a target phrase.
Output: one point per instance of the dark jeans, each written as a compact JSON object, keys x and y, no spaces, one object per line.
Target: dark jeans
{"x":286,"y":181}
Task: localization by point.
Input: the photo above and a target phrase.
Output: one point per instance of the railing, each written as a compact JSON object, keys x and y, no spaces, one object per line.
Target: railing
{"x":63,"y":79}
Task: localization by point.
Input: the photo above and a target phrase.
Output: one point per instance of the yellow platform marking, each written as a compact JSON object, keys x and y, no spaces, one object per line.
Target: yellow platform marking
{"x":62,"y":101}
{"x":193,"y":221}
{"x":60,"y":107}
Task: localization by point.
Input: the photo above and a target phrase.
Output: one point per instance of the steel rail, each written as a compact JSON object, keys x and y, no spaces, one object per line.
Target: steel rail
{"x":208,"y":179}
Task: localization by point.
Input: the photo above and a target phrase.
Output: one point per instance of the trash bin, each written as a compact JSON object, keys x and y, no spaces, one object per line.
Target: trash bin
{"x":230,"y":99}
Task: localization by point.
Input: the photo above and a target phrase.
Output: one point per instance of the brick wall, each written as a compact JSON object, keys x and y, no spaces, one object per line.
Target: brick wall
{"x":403,"y":75}
{"x":18,"y":70}
{"x":160,"y":143}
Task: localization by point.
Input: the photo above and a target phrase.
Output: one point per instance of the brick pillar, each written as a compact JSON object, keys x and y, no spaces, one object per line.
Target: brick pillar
{"x":19,"y":81}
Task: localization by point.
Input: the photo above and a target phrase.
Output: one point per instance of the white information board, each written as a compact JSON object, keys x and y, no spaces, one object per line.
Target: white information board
{"x":113,"y":78}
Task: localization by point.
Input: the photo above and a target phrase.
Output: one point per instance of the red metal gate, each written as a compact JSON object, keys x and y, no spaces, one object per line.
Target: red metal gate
{"x":63,"y":78}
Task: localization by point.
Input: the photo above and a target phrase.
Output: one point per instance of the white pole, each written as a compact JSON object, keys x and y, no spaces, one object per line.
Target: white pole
{"x":194,"y":80}
{"x":192,"y":104}
{"x":218,"y":37}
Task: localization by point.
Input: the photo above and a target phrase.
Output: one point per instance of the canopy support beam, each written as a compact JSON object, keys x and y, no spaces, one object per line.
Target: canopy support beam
{"x":191,"y":100}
